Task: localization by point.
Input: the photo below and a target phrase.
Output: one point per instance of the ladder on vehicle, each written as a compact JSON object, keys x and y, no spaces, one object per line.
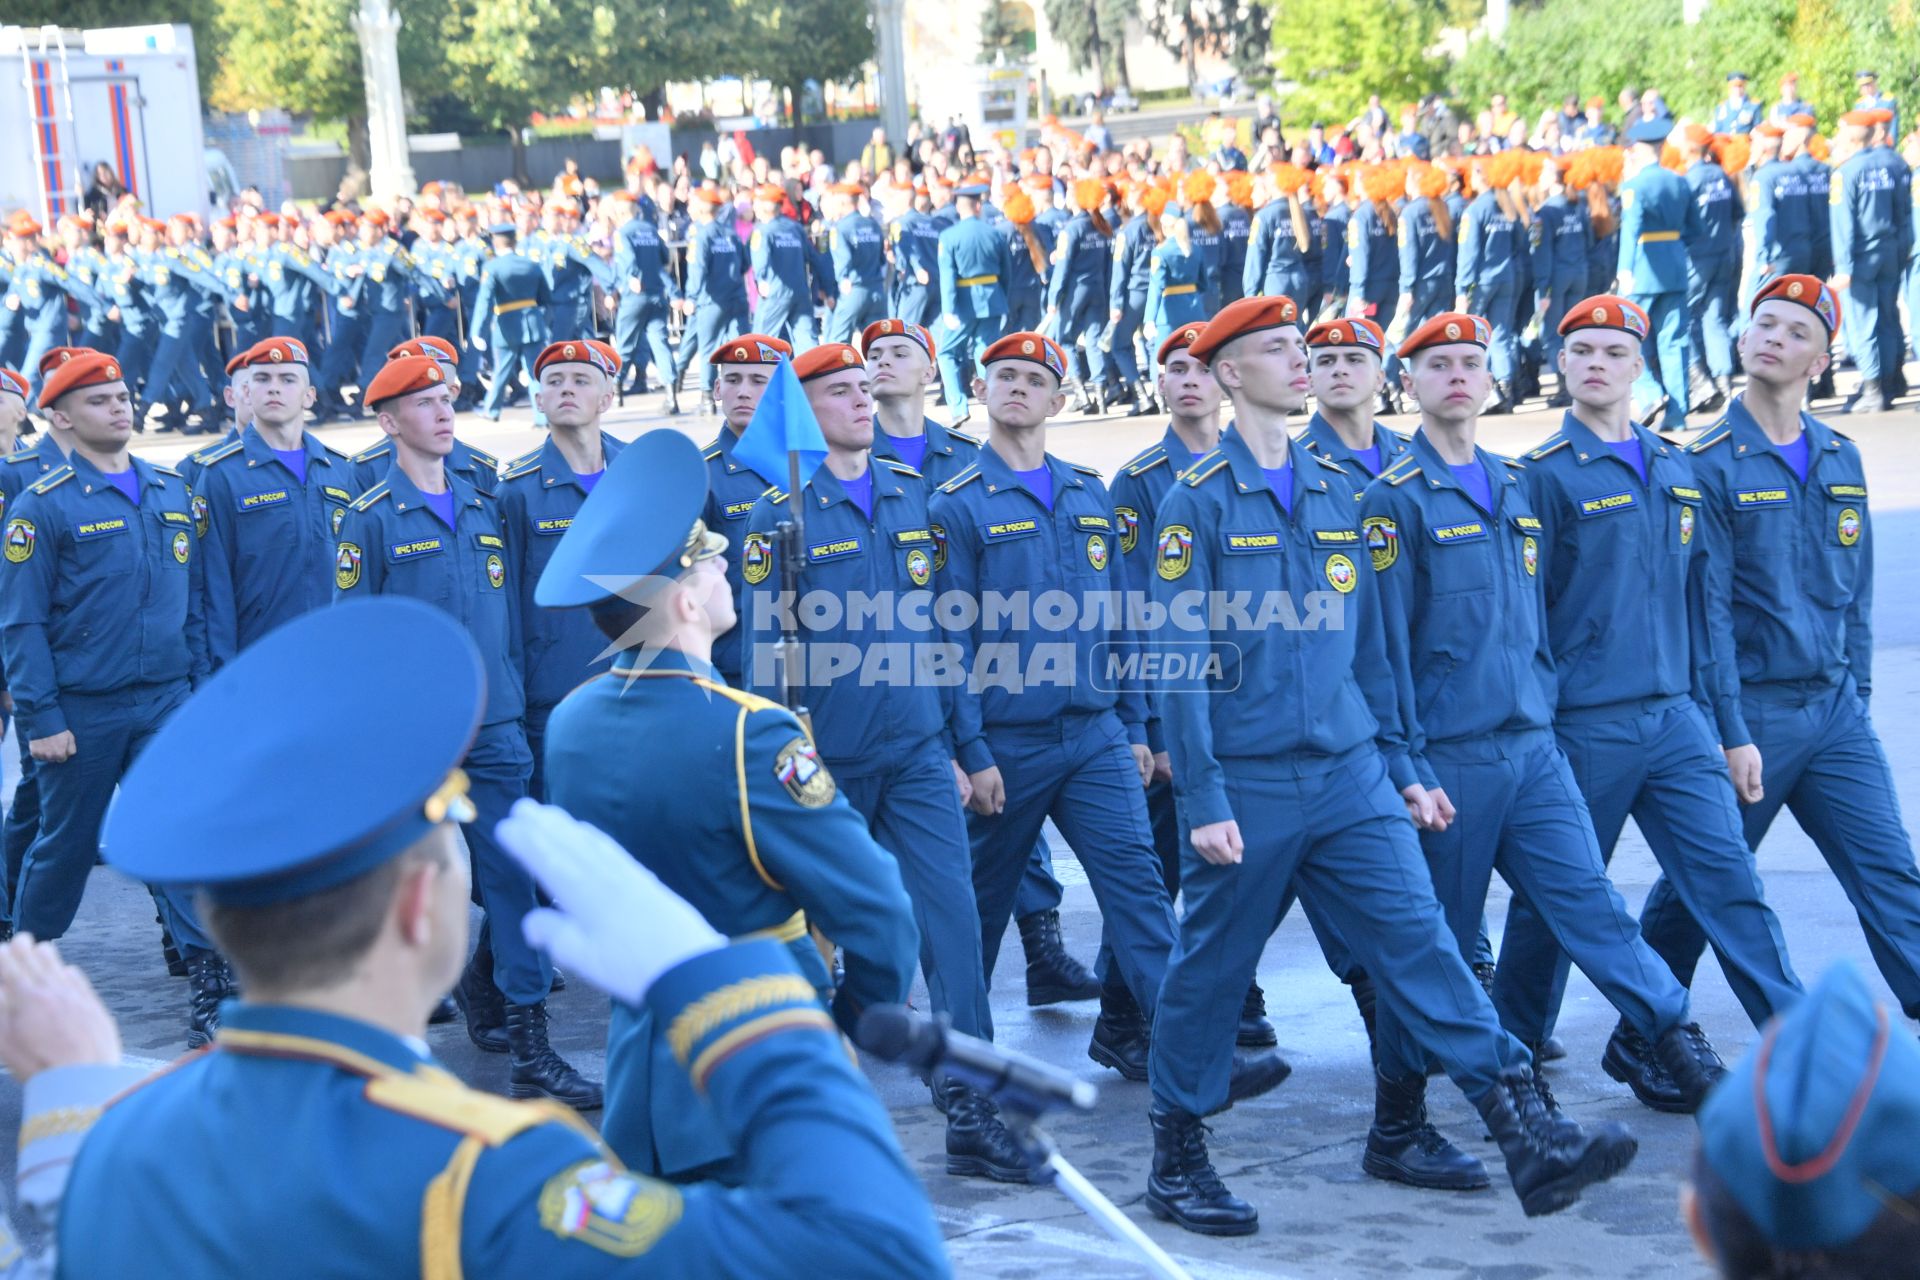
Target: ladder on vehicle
{"x":49,"y":91}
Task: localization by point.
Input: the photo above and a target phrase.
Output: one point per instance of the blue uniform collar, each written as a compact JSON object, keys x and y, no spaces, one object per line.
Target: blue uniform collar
{"x":1250,"y":477}
{"x":726,"y":442}
{"x":1321,"y":438}
{"x":1438,"y":473}
{"x":666,"y":662}
{"x":1176,"y":451}
{"x":939,"y":440}
{"x":1590,"y":448}
{"x":1000,"y":478}
{"x":92,"y":478}
{"x":258,"y":453}
{"x":1750,"y":439}
{"x":286,"y":1031}
{"x":407,"y":496}
{"x":554,"y":469}
{"x":828,"y":491}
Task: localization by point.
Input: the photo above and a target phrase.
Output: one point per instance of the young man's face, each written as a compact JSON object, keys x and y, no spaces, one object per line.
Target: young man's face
{"x":899,"y":366}
{"x":843,"y":405}
{"x":1345,"y":378}
{"x":238,"y":394}
{"x":1784,"y":343}
{"x":1187,"y":387}
{"x":739,"y":389}
{"x":1266,"y":369}
{"x":280,"y":393}
{"x":100,"y":417}
{"x":13,"y":411}
{"x":1019,"y":393}
{"x":423,"y":421}
{"x":572,"y":394}
{"x":1451,"y":381}
{"x":1599,"y":366}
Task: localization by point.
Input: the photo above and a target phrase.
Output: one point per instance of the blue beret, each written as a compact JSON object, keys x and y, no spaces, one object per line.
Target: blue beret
{"x":978,"y":190}
{"x":642,"y":520}
{"x":295,"y":807}
{"x":1417,"y":144}
{"x":1813,"y":1130}
{"x":1653,"y":132}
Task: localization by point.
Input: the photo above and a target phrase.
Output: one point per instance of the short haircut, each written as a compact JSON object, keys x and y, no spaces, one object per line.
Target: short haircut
{"x":1885,"y":1248}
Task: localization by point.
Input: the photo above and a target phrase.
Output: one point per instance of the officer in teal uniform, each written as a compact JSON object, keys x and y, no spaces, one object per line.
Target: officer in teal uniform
{"x":715,"y":289}
{"x":1458,"y":561}
{"x":509,"y":318}
{"x":643,"y":281}
{"x":858,"y":250}
{"x":1622,"y":554}
{"x":1077,"y":293}
{"x":1488,"y":270}
{"x":103,"y":640}
{"x":87,"y":264}
{"x":1713,"y":265}
{"x":779,"y":257}
{"x":425,"y":532}
{"x":1053,"y":734}
{"x":435,"y":1178}
{"x":1174,"y":284}
{"x":269,"y":515}
{"x":39,"y":292}
{"x":181,"y":288}
{"x":1297,"y":784}
{"x":1276,"y":262}
{"x":1789,"y":607}
{"x":720,"y":793}
{"x":295,"y":283}
{"x":915,"y":237}
{"x":382,"y":290}
{"x":1737,"y":113}
{"x":1655,"y":225}
{"x":1871,"y":215}
{"x":882,"y":736}
{"x":974,"y":267}
{"x":1345,"y":364}
{"x":1373,"y":260}
{"x":1127,"y":286}
{"x":744,"y":365}
{"x":573,"y":270}
{"x":126,"y":290}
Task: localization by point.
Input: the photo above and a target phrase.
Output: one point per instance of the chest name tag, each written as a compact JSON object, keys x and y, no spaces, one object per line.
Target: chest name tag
{"x":832,"y":550}
{"x":1529,"y":523}
{"x":735,"y":510}
{"x":1846,"y":490}
{"x":1012,"y":529}
{"x":1606,"y":504}
{"x":907,"y":537}
{"x":1093,"y":522}
{"x":1469,"y":532}
{"x":176,"y":517}
{"x":554,"y":527}
{"x":491,"y":541}
{"x":338,"y":495}
{"x":1745,"y":498}
{"x":99,"y":528}
{"x":1336,"y":537}
{"x":254,"y":501}
{"x":420,"y":547}
{"x":1684,"y":494}
{"x":1248,"y":543}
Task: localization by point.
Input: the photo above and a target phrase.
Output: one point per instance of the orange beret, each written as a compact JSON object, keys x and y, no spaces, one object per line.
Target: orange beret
{"x":430,"y":347}
{"x":1605,"y":311}
{"x":1355,"y":331}
{"x":770,"y":191}
{"x":433,"y":215}
{"x":13,"y":384}
{"x":1801,"y":119}
{"x":852,"y":190}
{"x":1863,"y":118}
{"x":1018,"y":206}
{"x":430,"y":189}
{"x":184,"y":219}
{"x":229,"y":222}
{"x":277,"y":351}
{"x":23,"y":224}
{"x":1597,"y":101}
{"x":752,"y":348}
{"x":899,"y":329}
{"x":236,"y":363}
{"x":1200,"y":186}
{"x":577,"y":351}
{"x":1698,"y":135}
{"x":403,"y":377}
{"x":1038,"y":182}
{"x":707,"y":195}
{"x":270,"y":219}
{"x":53,"y":357}
{"x":1249,"y":315}
{"x":828,"y":357}
{"x":1042,"y":351}
{"x":1878,"y":115}
{"x":1180,"y":339}
{"x":92,"y":369}
{"x":1768,"y":129}
{"x":1808,"y":291}
{"x":1089,"y":193}
{"x":1447,"y":327}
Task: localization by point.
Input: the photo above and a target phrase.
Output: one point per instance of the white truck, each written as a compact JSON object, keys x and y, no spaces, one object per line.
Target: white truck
{"x":127,"y":95}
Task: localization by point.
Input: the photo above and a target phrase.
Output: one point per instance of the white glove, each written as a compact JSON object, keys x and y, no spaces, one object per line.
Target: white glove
{"x":612,"y":922}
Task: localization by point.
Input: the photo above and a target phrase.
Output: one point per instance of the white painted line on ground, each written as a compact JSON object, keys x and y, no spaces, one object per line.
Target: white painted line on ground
{"x":1086,"y":1244}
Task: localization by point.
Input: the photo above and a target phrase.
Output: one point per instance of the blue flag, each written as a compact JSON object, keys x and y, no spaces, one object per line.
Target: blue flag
{"x":782,"y":423}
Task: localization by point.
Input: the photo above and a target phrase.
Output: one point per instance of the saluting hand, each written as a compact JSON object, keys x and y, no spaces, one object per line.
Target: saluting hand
{"x":57,"y":749}
{"x":1219,"y":843}
{"x":989,"y":792}
{"x":1744,"y":767}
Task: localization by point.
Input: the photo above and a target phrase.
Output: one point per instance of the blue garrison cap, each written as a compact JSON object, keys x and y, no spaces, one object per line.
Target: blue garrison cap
{"x":1653,"y":132}
{"x":503,"y":229}
{"x":1818,"y":1128}
{"x":323,"y":750}
{"x":977,"y":190}
{"x":641,"y":521}
{"x":1737,"y":75}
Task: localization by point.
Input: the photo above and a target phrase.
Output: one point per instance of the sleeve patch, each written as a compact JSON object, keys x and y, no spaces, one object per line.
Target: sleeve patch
{"x":600,"y":1204}
{"x":799,"y":769}
{"x":19,"y":541}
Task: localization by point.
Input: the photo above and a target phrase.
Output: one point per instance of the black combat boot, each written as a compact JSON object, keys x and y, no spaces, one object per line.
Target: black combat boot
{"x":1255,"y":1032}
{"x":1550,"y":1158}
{"x":210,"y":983}
{"x":1503,"y":400}
{"x":176,"y":967}
{"x":1867,"y":398}
{"x":673,"y":399}
{"x":1403,"y":1147}
{"x":1691,"y":1061}
{"x":1254,"y":1074}
{"x":1120,"y":1036}
{"x":1183,"y":1188}
{"x":978,"y":1144}
{"x":1630,"y":1060}
{"x":481,"y":1003}
{"x":444,"y":1012}
{"x":1053,"y":976}
{"x":539,"y":1072}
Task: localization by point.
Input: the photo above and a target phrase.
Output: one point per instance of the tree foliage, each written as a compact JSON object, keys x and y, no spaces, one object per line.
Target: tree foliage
{"x":1376,"y":46}
{"x":793,"y":41}
{"x":1005,"y":28}
{"x":1237,"y":30}
{"x":1094,"y":33}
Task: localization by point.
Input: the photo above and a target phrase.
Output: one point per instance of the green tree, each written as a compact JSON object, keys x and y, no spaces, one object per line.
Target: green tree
{"x":793,"y":41}
{"x":1005,"y":28}
{"x":1377,"y":46}
{"x":1094,"y":33}
{"x":1237,"y":30}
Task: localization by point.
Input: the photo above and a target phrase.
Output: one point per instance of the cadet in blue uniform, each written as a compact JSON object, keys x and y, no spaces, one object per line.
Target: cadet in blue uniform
{"x":779,"y":257}
{"x":880,"y":725}
{"x":1175,"y":278}
{"x":478,"y":467}
{"x":103,"y":640}
{"x":509,"y":318}
{"x":1041,"y":732}
{"x":1128,"y":284}
{"x":1871,"y":215}
{"x":731,"y":804}
{"x":1297,"y":786}
{"x":1236,"y":234}
{"x":1738,"y":113}
{"x":643,"y":280}
{"x":1657,"y":227}
{"x":1713,"y":264}
{"x":1077,"y":293}
{"x":974,"y":267}
{"x":1276,"y":256}
{"x":1776,"y":227}
{"x":271,"y":505}
{"x":744,"y":367}
{"x":857,"y":249}
{"x":1623,"y":555}
{"x":295,"y":282}
{"x":1373,"y":260}
{"x":126,"y":287}
{"x":18,"y":469}
{"x":915,"y":240}
{"x":39,"y":292}
{"x":436,"y":1178}
{"x":425,"y":532}
{"x":1426,"y":259}
{"x":1789,"y":605}
{"x":900,"y":357}
{"x":1344,"y":364}
{"x":1029,"y":254}
{"x":1487,"y":270}
{"x":1560,"y":251}
{"x":573,"y":271}
{"x":715,"y":293}
{"x":1458,"y":556}
{"x":382,"y":289}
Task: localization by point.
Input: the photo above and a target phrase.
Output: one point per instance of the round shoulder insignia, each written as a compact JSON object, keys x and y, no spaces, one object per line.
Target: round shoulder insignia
{"x":346,"y":567}
{"x":496,"y":572}
{"x":1341,"y":573}
{"x":1849,"y":527}
{"x":919,"y":567}
{"x":202,"y":514}
{"x":1530,"y":555}
{"x":798,"y":768}
{"x":939,"y":533}
{"x":1453,"y":330}
{"x":1097,"y":552}
{"x":182,"y":545}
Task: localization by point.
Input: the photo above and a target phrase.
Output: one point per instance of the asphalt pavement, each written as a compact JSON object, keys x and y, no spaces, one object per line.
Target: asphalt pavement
{"x":1296,"y":1152}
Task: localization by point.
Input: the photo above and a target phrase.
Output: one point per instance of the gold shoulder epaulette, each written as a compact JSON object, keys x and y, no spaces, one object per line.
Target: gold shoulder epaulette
{"x":515,"y":471}
{"x":1839,"y":435}
{"x":1328,"y":463}
{"x":961,"y":435}
{"x":168,"y":471}
{"x":1085,"y":471}
{"x":51,"y":480}
{"x":1715,"y":434}
{"x":751,"y":701}
{"x":1553,"y":444}
{"x":336,"y":451}
{"x":482,"y":456}
{"x":377,"y":451}
{"x":1400,"y":479}
{"x":1146,"y":461}
{"x":531,"y":455}
{"x":366,"y":501}
{"x":207,"y":457}
{"x":775,"y":495}
{"x":23,"y":455}
{"x":966,"y":477}
{"x":1203,"y":466}
{"x":902,"y":468}
{"x":712,"y":452}
{"x":452,"y":1105}
{"x":1512,"y":462}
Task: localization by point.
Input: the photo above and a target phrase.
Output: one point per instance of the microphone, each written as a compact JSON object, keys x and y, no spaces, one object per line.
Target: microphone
{"x":895,"y":1033}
